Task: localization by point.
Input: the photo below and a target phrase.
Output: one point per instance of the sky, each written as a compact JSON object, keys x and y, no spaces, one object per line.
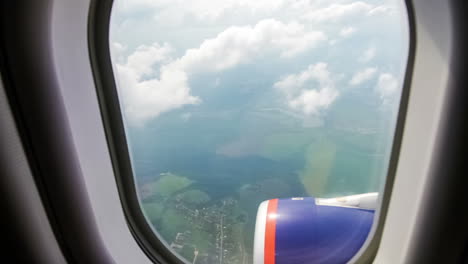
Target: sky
{"x":309,"y":52}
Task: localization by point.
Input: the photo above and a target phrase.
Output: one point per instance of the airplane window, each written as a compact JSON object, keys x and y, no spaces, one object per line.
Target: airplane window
{"x":231,"y":103}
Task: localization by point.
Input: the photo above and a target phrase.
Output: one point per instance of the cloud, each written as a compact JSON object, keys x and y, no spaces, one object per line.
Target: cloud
{"x":368,"y":54}
{"x":143,"y":98}
{"x":302,"y":95}
{"x":338,"y":12}
{"x":211,"y":10}
{"x":118,"y":48}
{"x":237,"y":45}
{"x":118,"y":52}
{"x":387,"y":87}
{"x":347,"y":31}
{"x":186,"y":116}
{"x":178,"y":12}
{"x":146,"y":95}
{"x":382,"y":10}
{"x":362,"y":76}
{"x":145,"y":57}
{"x":137,"y":6}
{"x":202,"y":10}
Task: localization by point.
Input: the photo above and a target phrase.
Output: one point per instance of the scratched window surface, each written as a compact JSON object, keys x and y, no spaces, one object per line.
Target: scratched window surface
{"x":232,"y":102}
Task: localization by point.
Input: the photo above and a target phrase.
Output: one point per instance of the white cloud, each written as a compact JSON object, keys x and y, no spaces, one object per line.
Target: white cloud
{"x":337,"y":12}
{"x":145,"y":57}
{"x":362,"y":76}
{"x":146,"y":95}
{"x":387,"y":86}
{"x":186,"y":116}
{"x":118,"y":50}
{"x":347,"y":31}
{"x":118,"y":47}
{"x":368,"y":54}
{"x":204,"y":10}
{"x":303,"y":96}
{"x":210,"y":10}
{"x":312,"y":101}
{"x":146,"y":98}
{"x":137,"y":6}
{"x":237,"y":45}
{"x":382,"y":10}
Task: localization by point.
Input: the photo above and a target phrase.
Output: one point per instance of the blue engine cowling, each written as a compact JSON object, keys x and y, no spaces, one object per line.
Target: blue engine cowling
{"x":312,"y":230}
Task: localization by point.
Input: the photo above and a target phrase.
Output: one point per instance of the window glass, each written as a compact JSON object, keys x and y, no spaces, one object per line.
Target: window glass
{"x":229,"y":103}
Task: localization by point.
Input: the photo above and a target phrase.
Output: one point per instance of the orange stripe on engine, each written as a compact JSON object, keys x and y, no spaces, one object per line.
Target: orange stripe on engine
{"x":270,"y":232}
